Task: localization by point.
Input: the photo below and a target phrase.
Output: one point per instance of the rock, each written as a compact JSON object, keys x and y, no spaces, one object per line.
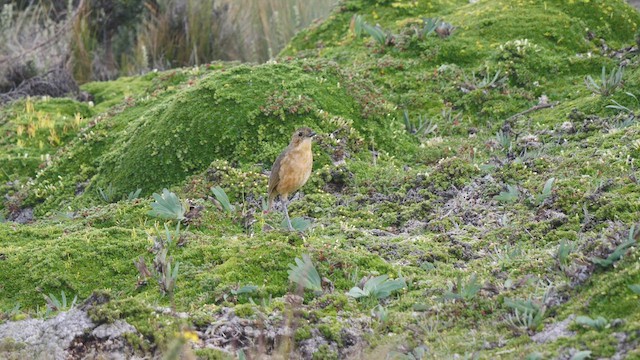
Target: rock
{"x":554,"y":331}
{"x":69,"y":334}
{"x":52,"y":336}
{"x":111,"y":331}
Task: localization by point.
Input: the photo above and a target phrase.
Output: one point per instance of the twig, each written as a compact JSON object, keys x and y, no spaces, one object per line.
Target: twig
{"x":535,"y":108}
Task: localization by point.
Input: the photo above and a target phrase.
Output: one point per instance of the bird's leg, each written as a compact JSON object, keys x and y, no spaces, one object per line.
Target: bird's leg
{"x":285,"y":201}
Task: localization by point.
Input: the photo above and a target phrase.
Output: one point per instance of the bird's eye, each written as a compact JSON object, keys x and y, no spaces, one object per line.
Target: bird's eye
{"x":300,"y":133}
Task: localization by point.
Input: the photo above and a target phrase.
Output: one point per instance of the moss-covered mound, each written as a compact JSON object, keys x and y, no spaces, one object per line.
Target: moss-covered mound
{"x":243,"y":114}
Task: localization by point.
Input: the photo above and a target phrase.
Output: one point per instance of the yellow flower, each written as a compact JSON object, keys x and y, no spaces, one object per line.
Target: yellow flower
{"x":190,"y":335}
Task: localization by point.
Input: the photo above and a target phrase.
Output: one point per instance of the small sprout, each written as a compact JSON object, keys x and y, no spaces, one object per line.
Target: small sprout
{"x":417,"y":353}
{"x":168,"y":206}
{"x":222,"y":199}
{"x":382,"y":37}
{"x":380,"y":312}
{"x":55,"y":304}
{"x":297,"y":223}
{"x":247,"y":289}
{"x":509,"y":196}
{"x":607,"y":84}
{"x":166,"y":275}
{"x":143,"y":270}
{"x":524,"y":320}
{"x":423,"y":127}
{"x":504,"y":139}
{"x":534,"y":356}
{"x":598,"y":323}
{"x":427,"y":266}
{"x":241,"y":355}
{"x":564,"y":250}
{"x":107,"y":195}
{"x":134,"y":194}
{"x":546,"y":191}
{"x":618,"y":252}
{"x":527,"y":314}
{"x":485,"y":82}
{"x":465,"y":291}
{"x":617,"y":106}
{"x":379,"y":287}
{"x":429,"y":26}
{"x":304,"y":274}
{"x":357,"y":22}
{"x":581,"y":355}
{"x":505,"y":255}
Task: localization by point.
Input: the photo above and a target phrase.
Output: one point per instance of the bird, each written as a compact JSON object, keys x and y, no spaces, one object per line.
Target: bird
{"x":292,"y":169}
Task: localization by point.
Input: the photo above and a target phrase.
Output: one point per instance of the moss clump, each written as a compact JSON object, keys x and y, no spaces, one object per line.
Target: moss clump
{"x":244,"y":310}
{"x":331,"y":331}
{"x":157,"y":329}
{"x":302,"y":333}
{"x":451,"y":172}
{"x":325,"y":353}
{"x":212,"y":354}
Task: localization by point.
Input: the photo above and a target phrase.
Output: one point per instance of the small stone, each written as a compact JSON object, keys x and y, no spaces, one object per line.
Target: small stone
{"x":567,"y":127}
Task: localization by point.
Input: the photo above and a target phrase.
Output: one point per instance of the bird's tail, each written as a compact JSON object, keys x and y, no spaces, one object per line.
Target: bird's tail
{"x":270,"y":204}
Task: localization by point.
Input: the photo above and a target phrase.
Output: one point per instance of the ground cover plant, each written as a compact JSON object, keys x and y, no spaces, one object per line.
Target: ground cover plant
{"x":475,"y":193}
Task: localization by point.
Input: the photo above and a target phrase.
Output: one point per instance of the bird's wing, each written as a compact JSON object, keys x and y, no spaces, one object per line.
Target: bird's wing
{"x":274,"y":178}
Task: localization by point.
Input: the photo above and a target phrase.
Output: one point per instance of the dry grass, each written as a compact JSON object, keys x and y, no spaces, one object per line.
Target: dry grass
{"x":187,"y":32}
{"x":32,"y":42}
{"x":169,"y":33}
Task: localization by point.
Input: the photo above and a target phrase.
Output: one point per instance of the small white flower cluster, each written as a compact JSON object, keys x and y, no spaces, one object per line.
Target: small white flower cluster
{"x":519,"y":47}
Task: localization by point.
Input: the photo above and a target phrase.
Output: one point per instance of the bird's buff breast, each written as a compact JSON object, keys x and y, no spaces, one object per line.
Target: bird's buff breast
{"x":295,"y":169}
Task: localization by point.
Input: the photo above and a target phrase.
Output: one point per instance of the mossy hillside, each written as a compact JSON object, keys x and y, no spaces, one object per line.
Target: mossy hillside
{"x":158,"y":140}
{"x":548,"y":55}
{"x":461,"y":247}
{"x":245,"y":114}
{"x":69,"y":171}
{"x":558,"y":25}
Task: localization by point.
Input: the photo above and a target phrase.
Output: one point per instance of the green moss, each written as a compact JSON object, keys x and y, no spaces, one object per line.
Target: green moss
{"x":212,"y":354}
{"x":34,"y":129}
{"x":325,"y":353}
{"x":9,"y":345}
{"x":331,"y":332}
{"x":244,"y":310}
{"x":110,"y":93}
{"x":451,"y":172}
{"x":156,"y":328}
{"x":302,"y":333}
{"x":49,"y":259}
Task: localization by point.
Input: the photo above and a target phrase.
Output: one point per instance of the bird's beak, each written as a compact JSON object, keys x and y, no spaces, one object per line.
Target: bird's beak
{"x":312,"y":134}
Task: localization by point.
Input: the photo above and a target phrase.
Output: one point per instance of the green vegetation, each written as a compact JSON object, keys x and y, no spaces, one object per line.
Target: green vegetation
{"x":464,"y":152}
{"x":305,"y":275}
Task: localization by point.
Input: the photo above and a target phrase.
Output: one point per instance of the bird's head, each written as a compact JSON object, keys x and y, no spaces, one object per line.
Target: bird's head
{"x":301,"y":135}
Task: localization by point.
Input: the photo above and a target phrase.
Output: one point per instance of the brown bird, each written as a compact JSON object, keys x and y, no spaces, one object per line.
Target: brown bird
{"x":291,"y":169}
